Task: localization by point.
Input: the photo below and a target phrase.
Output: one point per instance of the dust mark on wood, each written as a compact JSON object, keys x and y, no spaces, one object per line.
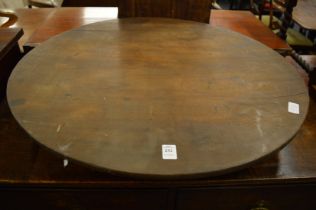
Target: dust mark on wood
{"x":64,"y":147}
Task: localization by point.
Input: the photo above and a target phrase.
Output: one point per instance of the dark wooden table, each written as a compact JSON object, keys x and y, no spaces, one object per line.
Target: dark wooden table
{"x":41,"y":24}
{"x":286,"y":180}
{"x":9,"y":54}
{"x":120,"y":90}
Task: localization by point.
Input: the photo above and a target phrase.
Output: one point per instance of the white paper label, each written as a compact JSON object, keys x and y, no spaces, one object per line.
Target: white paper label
{"x":293,"y":108}
{"x":169,"y":152}
{"x":65,"y":163}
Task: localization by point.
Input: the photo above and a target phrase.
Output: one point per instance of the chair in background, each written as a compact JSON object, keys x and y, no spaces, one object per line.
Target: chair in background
{"x":7,"y":18}
{"x":294,"y":38}
{"x":277,"y":14}
{"x":44,"y":3}
{"x":196,"y":10}
{"x":308,"y":63}
{"x":267,"y":11}
{"x":260,"y":7}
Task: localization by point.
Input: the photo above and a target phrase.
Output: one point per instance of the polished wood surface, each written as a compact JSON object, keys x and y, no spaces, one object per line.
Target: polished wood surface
{"x":244,"y":22}
{"x":8,"y":38}
{"x":305,"y":14}
{"x":119,"y":90}
{"x":196,"y":10}
{"x":41,"y":24}
{"x":23,"y":162}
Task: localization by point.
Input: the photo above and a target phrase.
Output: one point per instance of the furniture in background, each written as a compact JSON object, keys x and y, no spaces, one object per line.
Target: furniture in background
{"x":43,"y":3}
{"x":304,"y":14}
{"x":7,"y":18}
{"x":52,"y":21}
{"x":15,"y":4}
{"x":10,"y":54}
{"x":261,"y":8}
{"x":90,"y":3}
{"x":281,"y":22}
{"x":246,"y":23}
{"x":196,"y":10}
{"x":41,"y":24}
{"x":308,"y":62}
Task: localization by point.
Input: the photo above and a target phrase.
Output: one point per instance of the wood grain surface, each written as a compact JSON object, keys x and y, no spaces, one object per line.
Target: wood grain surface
{"x":110,"y":94}
{"x":246,"y":23}
{"x":41,"y":24}
{"x":8,"y":38}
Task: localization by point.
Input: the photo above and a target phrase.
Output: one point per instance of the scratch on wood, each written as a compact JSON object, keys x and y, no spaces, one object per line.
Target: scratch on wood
{"x":58,"y":128}
{"x":151,"y":112}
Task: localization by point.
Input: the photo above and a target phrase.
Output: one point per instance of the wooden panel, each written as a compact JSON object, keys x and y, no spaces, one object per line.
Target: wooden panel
{"x":80,"y":199}
{"x":197,"y":10}
{"x":290,"y":197}
{"x":90,"y":3}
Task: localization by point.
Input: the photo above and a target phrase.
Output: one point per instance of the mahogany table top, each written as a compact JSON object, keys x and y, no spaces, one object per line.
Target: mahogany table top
{"x":246,"y":23}
{"x":41,"y":24}
{"x":111,"y":94}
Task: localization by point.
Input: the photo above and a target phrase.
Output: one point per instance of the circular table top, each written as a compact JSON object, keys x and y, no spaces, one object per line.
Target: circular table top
{"x":115,"y":94}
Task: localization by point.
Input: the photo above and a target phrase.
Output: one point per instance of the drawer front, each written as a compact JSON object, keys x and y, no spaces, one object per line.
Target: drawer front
{"x":246,"y":198}
{"x":82,"y":199}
